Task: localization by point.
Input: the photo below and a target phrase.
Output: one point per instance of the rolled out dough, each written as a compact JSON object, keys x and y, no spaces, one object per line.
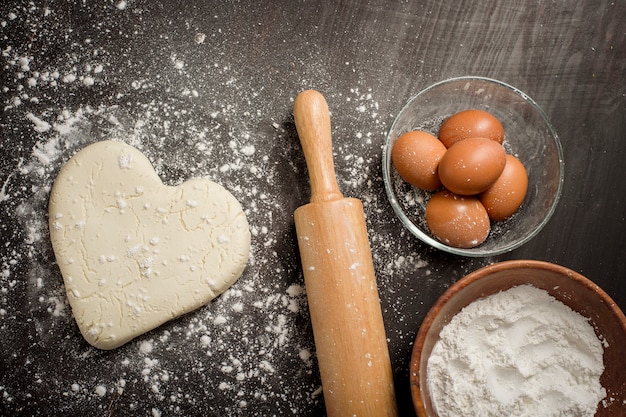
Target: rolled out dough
{"x":135,"y":253}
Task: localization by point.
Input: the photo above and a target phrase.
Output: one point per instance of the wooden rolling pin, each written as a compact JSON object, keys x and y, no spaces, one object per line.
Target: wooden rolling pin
{"x":341,"y":289}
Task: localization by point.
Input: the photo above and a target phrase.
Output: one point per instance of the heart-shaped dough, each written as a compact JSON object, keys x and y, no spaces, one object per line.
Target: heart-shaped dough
{"x":135,"y":253}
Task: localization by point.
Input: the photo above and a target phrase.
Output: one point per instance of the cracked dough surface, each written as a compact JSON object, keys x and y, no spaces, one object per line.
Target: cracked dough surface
{"x":135,"y":253}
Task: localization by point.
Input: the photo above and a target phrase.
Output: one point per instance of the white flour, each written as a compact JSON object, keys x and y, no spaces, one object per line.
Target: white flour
{"x":517,"y":353}
{"x":195,"y":112}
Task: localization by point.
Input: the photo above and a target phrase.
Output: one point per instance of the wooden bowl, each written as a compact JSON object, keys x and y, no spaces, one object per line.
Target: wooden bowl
{"x":567,"y":286}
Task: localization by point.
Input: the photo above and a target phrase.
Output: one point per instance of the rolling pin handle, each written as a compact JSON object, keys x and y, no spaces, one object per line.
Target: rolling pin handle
{"x":312,"y":120}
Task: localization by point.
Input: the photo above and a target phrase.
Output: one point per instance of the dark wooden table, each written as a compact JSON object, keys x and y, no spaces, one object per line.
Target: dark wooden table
{"x":206,"y":88}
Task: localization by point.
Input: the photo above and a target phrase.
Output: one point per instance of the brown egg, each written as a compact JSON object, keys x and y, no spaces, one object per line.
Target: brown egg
{"x":416,"y":156}
{"x":459,"y":221}
{"x":472,"y":165}
{"x":470,"y":124}
{"x":507,"y":194}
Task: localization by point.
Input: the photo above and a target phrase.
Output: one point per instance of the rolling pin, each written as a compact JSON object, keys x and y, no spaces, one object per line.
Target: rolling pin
{"x":340,"y":282}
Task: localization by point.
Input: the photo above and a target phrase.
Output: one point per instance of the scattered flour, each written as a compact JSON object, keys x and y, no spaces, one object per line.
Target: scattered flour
{"x":145,"y":346}
{"x":517,"y":353}
{"x":100,"y":390}
{"x":252,"y":347}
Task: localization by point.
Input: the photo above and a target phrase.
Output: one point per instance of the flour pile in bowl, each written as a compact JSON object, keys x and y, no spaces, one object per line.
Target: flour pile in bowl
{"x":519,"y":353}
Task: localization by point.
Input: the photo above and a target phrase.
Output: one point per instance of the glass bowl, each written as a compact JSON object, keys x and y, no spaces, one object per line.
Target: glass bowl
{"x":528,"y":135}
{"x":571,"y":288}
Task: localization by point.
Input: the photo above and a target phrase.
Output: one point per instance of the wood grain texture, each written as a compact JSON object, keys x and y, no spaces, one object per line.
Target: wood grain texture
{"x":340,"y":281}
{"x":350,"y":338}
{"x":313,"y":124}
{"x":367,"y":58}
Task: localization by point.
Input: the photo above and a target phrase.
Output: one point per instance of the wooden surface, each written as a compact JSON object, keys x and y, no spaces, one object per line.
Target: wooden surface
{"x":340,"y":281}
{"x":206,"y":89}
{"x":312,"y":120}
{"x":344,"y":305}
